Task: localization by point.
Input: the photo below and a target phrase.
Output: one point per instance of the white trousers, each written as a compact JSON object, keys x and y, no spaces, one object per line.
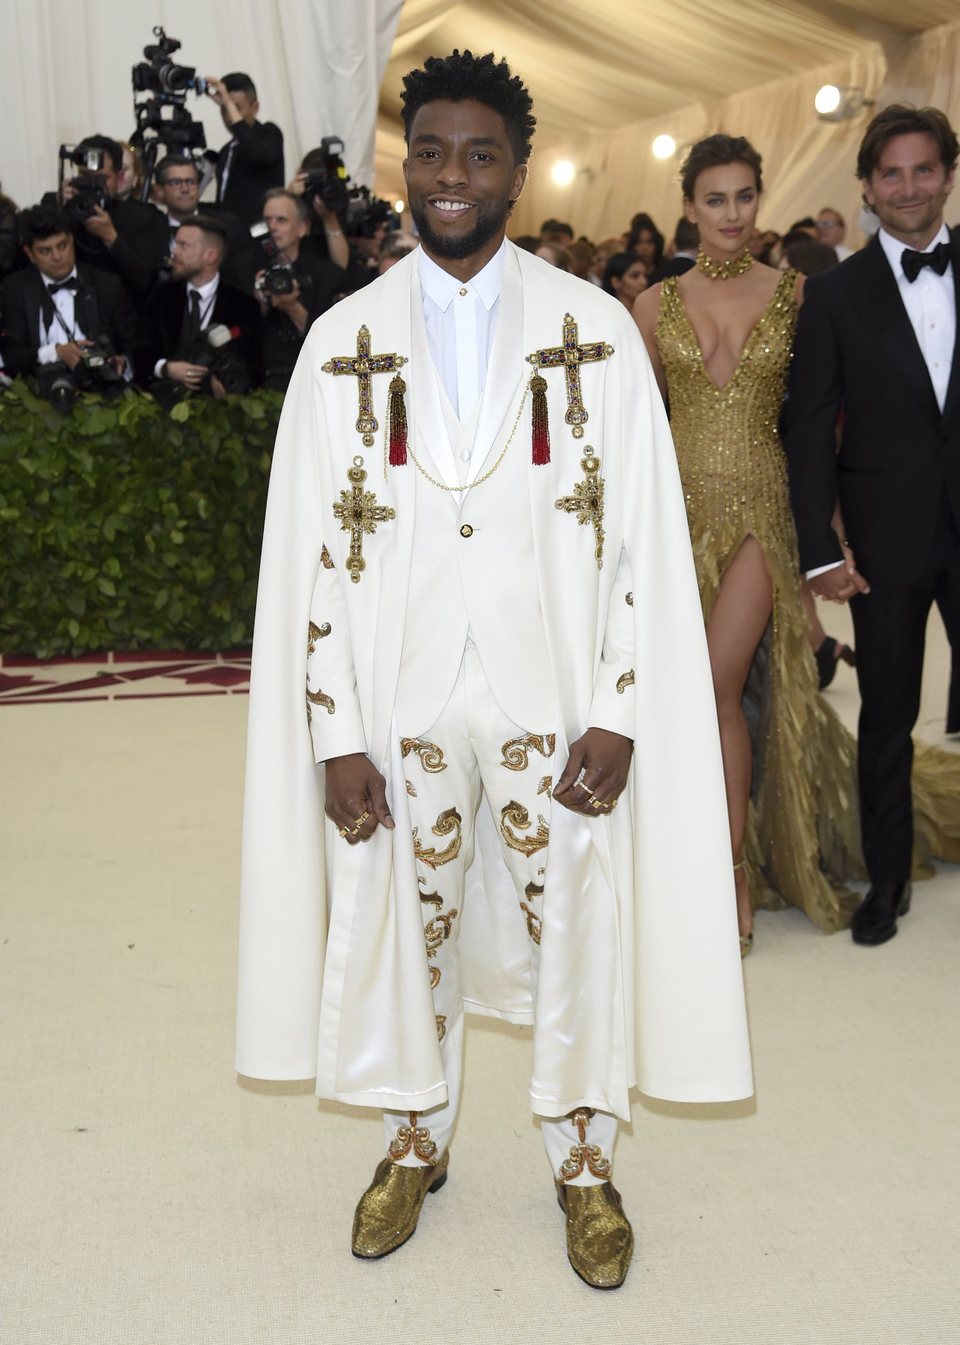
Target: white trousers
{"x":474,"y":753}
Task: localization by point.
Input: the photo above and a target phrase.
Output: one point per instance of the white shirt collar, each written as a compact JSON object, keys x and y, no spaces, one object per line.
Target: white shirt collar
{"x":72,"y":276}
{"x":894,"y":249}
{"x":206,"y":290}
{"x":441,"y":287}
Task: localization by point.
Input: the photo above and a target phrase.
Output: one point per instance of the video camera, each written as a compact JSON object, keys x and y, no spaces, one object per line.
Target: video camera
{"x":90,"y":193}
{"x":61,"y":386}
{"x":278,"y":277}
{"x":167,"y":85}
{"x":327,"y":177}
{"x":366,"y":213}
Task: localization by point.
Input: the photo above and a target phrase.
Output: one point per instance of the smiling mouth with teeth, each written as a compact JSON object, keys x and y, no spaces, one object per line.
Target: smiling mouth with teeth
{"x":452,"y":205}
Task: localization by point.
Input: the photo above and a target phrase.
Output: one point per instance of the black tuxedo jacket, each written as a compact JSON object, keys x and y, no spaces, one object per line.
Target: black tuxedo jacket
{"x":856,"y":352}
{"x":256,"y":166}
{"x":161,"y":327}
{"x":101,"y":305}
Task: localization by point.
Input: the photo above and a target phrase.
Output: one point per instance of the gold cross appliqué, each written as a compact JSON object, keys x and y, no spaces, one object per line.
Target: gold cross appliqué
{"x":363,"y":366}
{"x":587,"y":501}
{"x":572,"y":355}
{"x":359,"y":513}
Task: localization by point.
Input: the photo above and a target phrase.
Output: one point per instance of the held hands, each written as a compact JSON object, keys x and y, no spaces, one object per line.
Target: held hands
{"x":596,"y":772}
{"x":841,"y":583}
{"x":356,"y":797}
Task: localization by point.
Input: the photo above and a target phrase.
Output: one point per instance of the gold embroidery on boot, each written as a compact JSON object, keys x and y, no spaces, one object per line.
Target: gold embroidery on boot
{"x":448,"y":822}
{"x":413,"y":1138}
{"x":584,"y":1155}
{"x":627,"y":680}
{"x":546,"y":786}
{"x":431,"y":756}
{"x":515,"y":751}
{"x":514,"y":814}
{"x":532,"y":891}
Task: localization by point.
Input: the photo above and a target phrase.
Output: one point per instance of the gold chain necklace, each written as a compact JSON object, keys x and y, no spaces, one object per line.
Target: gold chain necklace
{"x":477,"y":481}
{"x":723,"y":270}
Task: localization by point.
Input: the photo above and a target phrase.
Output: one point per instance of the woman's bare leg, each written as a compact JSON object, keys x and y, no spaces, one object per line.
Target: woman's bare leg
{"x":734,"y":630}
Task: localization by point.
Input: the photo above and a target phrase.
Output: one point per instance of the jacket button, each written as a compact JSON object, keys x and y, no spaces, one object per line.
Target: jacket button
{"x":466,"y":530}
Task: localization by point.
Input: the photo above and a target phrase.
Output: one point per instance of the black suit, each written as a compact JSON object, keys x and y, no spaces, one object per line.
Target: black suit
{"x":255,"y":156}
{"x":138,"y":253}
{"x":320,"y":281}
{"x":161,"y":330}
{"x":101,"y":307}
{"x":897,"y":479}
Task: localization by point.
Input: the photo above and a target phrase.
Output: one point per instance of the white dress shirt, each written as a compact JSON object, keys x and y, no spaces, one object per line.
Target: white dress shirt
{"x":461,"y":318}
{"x":931,"y":308}
{"x":63,"y":328}
{"x":208,"y":297}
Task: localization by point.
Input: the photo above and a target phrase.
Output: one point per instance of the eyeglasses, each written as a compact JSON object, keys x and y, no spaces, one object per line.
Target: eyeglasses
{"x":179,"y":182}
{"x":828,"y":224}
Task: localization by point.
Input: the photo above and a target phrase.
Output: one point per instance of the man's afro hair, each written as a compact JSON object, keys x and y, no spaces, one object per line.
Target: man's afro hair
{"x":462,"y":75}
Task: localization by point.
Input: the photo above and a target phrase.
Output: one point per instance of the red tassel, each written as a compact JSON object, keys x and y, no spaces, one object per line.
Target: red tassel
{"x":398,"y":422}
{"x":541,"y":426}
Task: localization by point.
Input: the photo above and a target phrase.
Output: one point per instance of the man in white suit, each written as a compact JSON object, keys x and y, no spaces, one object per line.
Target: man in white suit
{"x":477,"y":590}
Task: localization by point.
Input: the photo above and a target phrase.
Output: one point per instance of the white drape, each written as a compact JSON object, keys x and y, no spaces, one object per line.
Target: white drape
{"x":65,"y":72}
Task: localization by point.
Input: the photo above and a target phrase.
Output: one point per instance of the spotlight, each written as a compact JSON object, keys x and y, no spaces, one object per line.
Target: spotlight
{"x":563,"y":172}
{"x":664,"y":147}
{"x":399,"y":206}
{"x":837,"y":103}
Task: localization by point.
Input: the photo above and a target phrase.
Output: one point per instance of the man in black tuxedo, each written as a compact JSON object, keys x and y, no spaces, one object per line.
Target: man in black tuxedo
{"x":125,"y":238}
{"x":56,"y":309}
{"x":176,"y":192}
{"x":251,"y":162}
{"x":876,"y":337}
{"x":176,"y":348}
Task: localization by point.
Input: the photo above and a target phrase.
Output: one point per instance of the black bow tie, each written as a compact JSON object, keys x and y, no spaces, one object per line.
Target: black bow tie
{"x":69,"y":284}
{"x":914,"y":262}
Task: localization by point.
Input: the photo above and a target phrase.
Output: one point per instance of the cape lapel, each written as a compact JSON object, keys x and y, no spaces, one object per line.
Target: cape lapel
{"x":886,"y":317}
{"x":506,"y":370}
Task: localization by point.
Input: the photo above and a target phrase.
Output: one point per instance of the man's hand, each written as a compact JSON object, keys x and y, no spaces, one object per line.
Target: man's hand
{"x":182,"y":371}
{"x":604,"y":760}
{"x":216,"y":387}
{"x":100,"y":225}
{"x":356,"y":797}
{"x":292,"y":307}
{"x":72,"y":352}
{"x":841,"y":583}
{"x":220,"y":94}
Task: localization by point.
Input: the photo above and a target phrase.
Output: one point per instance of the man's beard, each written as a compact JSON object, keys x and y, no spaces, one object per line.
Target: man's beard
{"x":489,"y":222}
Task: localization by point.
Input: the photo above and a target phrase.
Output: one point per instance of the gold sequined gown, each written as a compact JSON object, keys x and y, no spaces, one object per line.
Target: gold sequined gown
{"x":803,"y":827}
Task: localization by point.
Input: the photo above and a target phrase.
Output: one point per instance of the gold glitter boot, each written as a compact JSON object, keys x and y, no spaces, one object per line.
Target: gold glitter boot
{"x":390,"y":1206}
{"x":599,"y":1236}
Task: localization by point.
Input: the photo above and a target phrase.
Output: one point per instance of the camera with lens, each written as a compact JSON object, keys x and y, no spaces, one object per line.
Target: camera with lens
{"x":367,"y":213}
{"x":278,"y":277}
{"x":326,"y":177}
{"x":220,"y":357}
{"x":90,"y":194}
{"x":60,"y":386}
{"x":157,"y":73}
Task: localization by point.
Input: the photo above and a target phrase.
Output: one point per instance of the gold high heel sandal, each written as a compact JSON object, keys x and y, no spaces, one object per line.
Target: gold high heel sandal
{"x":746,"y":940}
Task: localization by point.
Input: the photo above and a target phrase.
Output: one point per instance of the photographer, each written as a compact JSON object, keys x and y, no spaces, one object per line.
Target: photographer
{"x":252,"y":160}
{"x":293,"y":289}
{"x":198,"y":333}
{"x":176,"y":191}
{"x":126,"y":238}
{"x":61,"y":316}
{"x":321,"y":185}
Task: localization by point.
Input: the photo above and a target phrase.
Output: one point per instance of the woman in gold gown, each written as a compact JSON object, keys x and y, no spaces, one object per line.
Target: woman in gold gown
{"x":720,"y":338}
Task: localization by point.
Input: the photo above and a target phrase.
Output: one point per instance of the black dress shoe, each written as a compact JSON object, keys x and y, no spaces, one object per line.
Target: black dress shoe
{"x":875,"y":919}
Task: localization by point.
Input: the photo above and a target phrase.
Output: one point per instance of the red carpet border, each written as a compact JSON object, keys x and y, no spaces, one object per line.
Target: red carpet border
{"x":111,"y":677}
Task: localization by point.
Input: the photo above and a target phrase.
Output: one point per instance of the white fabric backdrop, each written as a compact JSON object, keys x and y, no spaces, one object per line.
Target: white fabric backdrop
{"x":65,"y":72}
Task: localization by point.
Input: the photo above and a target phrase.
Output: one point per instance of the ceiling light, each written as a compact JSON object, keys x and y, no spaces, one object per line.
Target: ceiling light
{"x":399,"y":206}
{"x":838,"y":103}
{"x":664,"y":147}
{"x":827,"y":99}
{"x":563,"y":172}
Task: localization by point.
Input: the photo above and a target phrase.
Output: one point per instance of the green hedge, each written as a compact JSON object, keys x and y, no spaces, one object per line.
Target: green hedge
{"x":123,"y":526}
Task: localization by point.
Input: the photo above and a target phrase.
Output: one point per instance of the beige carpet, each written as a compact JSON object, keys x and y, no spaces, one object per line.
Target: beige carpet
{"x":150,"y":1199}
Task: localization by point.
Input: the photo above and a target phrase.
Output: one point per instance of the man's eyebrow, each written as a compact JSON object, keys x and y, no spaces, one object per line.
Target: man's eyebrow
{"x":434,"y":137}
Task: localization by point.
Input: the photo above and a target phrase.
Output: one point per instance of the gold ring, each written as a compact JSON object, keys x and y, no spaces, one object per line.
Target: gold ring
{"x":597,"y":803}
{"x":359,"y":821}
{"x":578,"y":784}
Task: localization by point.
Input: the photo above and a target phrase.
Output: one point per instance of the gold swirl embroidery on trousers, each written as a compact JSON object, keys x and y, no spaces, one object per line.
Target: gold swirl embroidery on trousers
{"x":415,"y":1139}
{"x":584,"y":1155}
{"x":627,"y":680}
{"x":431,"y":756}
{"x":359,"y":514}
{"x":532,"y":891}
{"x":587,"y":502}
{"x":410,"y":789}
{"x":362,"y":367}
{"x":325,"y":559}
{"x":546,"y":786}
{"x":446,"y":824}
{"x":435,"y":932}
{"x":515,"y":815}
{"x":515,"y":751}
{"x":318,"y":697}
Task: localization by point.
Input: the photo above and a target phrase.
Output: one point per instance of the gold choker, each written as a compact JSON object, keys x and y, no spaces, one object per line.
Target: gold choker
{"x":723,"y":270}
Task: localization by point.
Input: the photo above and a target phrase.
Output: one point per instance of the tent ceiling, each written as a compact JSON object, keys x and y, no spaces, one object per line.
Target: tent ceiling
{"x":592,"y":67}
